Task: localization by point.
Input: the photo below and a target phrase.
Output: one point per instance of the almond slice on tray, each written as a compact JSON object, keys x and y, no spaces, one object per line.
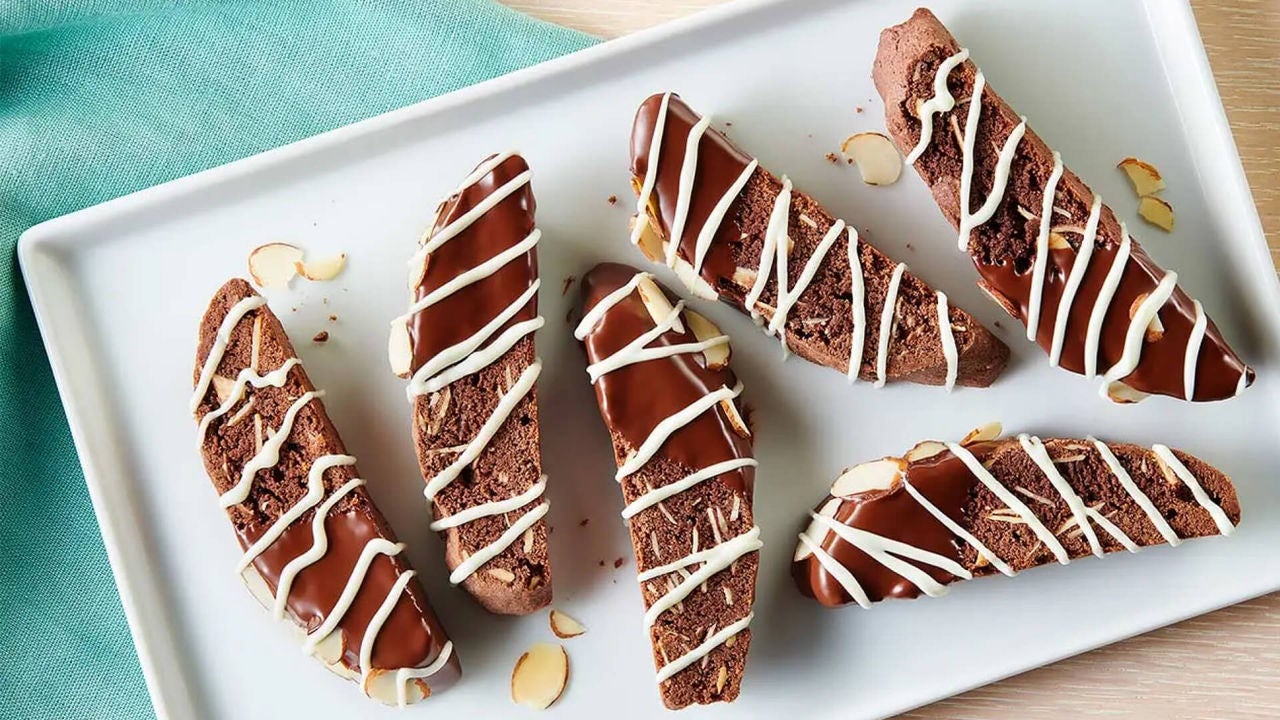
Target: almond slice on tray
{"x":275,"y":264}
{"x":564,"y":626}
{"x":876,"y":157}
{"x":322,"y":269}
{"x":1145,"y":177}
{"x":540,"y":676}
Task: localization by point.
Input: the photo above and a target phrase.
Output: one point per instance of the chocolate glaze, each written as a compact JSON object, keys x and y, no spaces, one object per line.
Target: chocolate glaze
{"x":944,"y":480}
{"x":635,"y":398}
{"x":412,"y":635}
{"x":1003,"y":249}
{"x":720,"y":163}
{"x":463,"y":313}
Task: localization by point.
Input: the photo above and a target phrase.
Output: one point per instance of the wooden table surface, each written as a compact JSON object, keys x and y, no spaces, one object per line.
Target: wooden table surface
{"x":1222,"y":665}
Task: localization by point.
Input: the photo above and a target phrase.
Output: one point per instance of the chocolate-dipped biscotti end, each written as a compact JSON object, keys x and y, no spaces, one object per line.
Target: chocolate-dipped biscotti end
{"x":902,"y":526}
{"x":683,"y":446}
{"x":466,"y":343}
{"x":316,"y":549}
{"x":1048,"y":250}
{"x":733,"y":231}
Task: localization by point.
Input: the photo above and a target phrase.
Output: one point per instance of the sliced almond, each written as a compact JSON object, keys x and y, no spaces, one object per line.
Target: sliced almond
{"x":1145,"y":177}
{"x":649,"y":242}
{"x":222,"y":387}
{"x":695,"y":282}
{"x":417,"y":272}
{"x":876,"y":157}
{"x":656,"y":302}
{"x":1005,"y":303}
{"x":717,"y":356}
{"x":540,"y":676}
{"x":983,"y":433}
{"x":925,"y":450}
{"x":722,"y":676}
{"x":875,"y":475}
{"x":744,"y":278}
{"x":735,"y":418}
{"x":816,"y":532}
{"x":400,"y":348}
{"x":1169,"y":475}
{"x":564,"y":626}
{"x":273,"y":265}
{"x":322,"y":269}
{"x":1118,"y":392}
{"x":1058,"y":242}
{"x":1157,"y":212}
{"x":501,"y":575}
{"x":1155,"y":328}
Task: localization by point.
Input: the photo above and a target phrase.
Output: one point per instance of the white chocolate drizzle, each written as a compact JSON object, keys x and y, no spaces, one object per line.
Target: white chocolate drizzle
{"x":887,"y":551}
{"x":650,"y":177}
{"x":688,"y":171}
{"x":857,"y":301}
{"x":948,"y":341}
{"x":1135,"y":335}
{"x":970,"y":220}
{"x":725,"y":553}
{"x":888,"y":314}
{"x":1042,"y":248}
{"x":775,"y":232}
{"x":473,"y":355}
{"x":787,"y":297}
{"x":708,"y":232}
{"x":268,"y":456}
{"x":943,"y":101}
{"x":1192,"y":360}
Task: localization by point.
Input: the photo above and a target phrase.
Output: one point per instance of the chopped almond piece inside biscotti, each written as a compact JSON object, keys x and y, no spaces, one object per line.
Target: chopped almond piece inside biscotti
{"x":683,"y":443}
{"x":308,"y":528}
{"x":1049,"y":251}
{"x":988,"y":505}
{"x":466,"y":344}
{"x":734,"y":231}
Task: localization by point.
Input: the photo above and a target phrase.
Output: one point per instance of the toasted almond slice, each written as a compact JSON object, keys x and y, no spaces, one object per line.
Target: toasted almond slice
{"x":1157,"y":212}
{"x":649,"y":242}
{"x":735,"y":417}
{"x":1005,"y":303}
{"x":1145,"y":177}
{"x":983,"y":433}
{"x":322,"y":269}
{"x":540,"y":676}
{"x":1058,"y":242}
{"x":400,"y":348}
{"x":924,"y":450}
{"x":273,"y":265}
{"x":815,"y":531}
{"x":876,"y":157}
{"x":564,"y":626}
{"x":222,"y":387}
{"x":874,"y":475}
{"x":502,"y":575}
{"x":695,"y":282}
{"x":1118,"y":392}
{"x":703,"y":329}
{"x":656,"y":302}
{"x":744,"y":278}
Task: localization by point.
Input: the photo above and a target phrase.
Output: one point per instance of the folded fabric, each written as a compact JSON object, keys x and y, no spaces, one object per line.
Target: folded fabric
{"x":99,"y":98}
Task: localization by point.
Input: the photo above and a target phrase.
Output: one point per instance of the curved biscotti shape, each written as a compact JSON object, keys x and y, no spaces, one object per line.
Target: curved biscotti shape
{"x":317,"y":550}
{"x":734,"y":231}
{"x":466,"y":343}
{"x":988,"y":505}
{"x":683,"y":447}
{"x":1048,"y":250}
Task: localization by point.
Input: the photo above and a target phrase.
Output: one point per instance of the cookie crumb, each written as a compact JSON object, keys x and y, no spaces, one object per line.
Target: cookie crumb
{"x":911,"y":248}
{"x":320,"y":337}
{"x":618,"y":563}
{"x":613,"y":199}
{"x":333,"y":318}
{"x":601,"y":563}
{"x":833,"y":158}
{"x":728,"y":123}
{"x":568,"y":283}
{"x":858,"y":109}
{"x":584,"y":522}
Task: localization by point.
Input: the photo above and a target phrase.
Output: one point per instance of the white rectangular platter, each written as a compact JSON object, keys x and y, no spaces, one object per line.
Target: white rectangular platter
{"x":119,"y":289}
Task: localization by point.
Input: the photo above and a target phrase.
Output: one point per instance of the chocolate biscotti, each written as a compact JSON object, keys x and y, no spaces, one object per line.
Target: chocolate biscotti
{"x":902,"y":526}
{"x":466,"y":343}
{"x":683,"y":446}
{"x":316,"y":549}
{"x":1048,"y":250}
{"x":733,"y":231}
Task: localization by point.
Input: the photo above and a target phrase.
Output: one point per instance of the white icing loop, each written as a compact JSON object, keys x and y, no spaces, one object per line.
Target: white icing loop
{"x":1078,"y":268}
{"x":669,"y":425}
{"x":372,"y":549}
{"x":315,"y":492}
{"x":658,"y":494}
{"x":788,"y":297}
{"x":269,"y":455}
{"x":492,"y":550}
{"x":708,"y":232}
{"x":606,"y":303}
{"x":455,"y":228}
{"x":276,"y":379}
{"x":319,"y":546}
{"x":888,"y":552}
{"x":219,"y":347}
{"x":375,"y":626}
{"x":1011,"y":501}
{"x":969,"y":221}
{"x":1139,"y":498}
{"x":688,"y":171}
{"x":837,"y":571}
{"x":489,"y":509}
{"x":1038,"y":454}
{"x":715,"y":560}
{"x":942,"y":101}
{"x":957,"y":530}
{"x":473,"y":275}
{"x":1135,"y":336}
{"x":775,"y":232}
{"x":651,"y":176}
{"x":403,"y":675}
{"x":1192,"y":360}
{"x":711,"y":643}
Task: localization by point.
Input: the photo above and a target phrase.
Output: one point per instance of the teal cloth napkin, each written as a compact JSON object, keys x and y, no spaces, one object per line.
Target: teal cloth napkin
{"x":99,"y":98}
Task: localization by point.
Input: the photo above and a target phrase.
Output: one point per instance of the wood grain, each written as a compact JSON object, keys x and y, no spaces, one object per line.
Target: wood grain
{"x":1222,"y":665}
